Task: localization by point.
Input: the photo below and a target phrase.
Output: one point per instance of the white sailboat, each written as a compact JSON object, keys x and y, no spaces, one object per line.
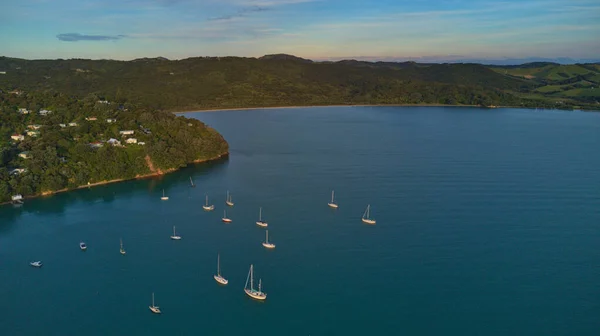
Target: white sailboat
{"x":250,"y":291}
{"x":122,"y":250}
{"x":332,"y":204}
{"x":225,"y":219}
{"x":266,"y":242}
{"x":260,"y":222}
{"x":164,"y":198}
{"x":153,"y":308}
{"x":175,"y":236}
{"x":192,"y":183}
{"x":36,"y":264}
{"x":366,"y":218}
{"x":228,"y":201}
{"x":82,"y":246}
{"x":208,"y":207}
{"x":218,"y":277}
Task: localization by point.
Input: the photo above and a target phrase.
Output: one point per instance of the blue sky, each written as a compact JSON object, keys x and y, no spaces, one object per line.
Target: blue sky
{"x":316,"y":29}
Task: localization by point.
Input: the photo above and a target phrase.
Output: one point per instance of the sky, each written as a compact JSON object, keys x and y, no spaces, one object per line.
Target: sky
{"x":316,"y":29}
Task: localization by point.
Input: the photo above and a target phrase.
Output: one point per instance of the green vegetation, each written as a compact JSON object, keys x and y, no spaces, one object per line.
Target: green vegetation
{"x":71,"y":146}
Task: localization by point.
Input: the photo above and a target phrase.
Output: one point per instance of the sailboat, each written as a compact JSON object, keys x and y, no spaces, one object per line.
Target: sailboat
{"x":332,"y":203}
{"x":251,"y":292}
{"x":266,"y":242}
{"x":36,"y":264}
{"x":366,"y":218}
{"x":192,"y":183}
{"x":208,"y":207}
{"x":225,"y":219}
{"x":122,"y":250}
{"x":228,"y":200}
{"x":153,"y":308}
{"x":218,"y":276}
{"x":164,"y":198}
{"x":82,"y":246}
{"x":175,"y":236}
{"x":260,"y":222}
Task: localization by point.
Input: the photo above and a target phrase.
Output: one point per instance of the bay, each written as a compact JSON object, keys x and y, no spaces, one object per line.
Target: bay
{"x":488,"y":223}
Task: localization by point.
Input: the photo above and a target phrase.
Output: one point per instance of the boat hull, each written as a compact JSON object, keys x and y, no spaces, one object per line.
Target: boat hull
{"x":262,"y":224}
{"x":155,"y":310}
{"x":176,"y":237}
{"x":226,"y":220}
{"x":164,"y":198}
{"x":268,"y":245}
{"x":256,"y":295}
{"x":123,"y":252}
{"x":208,"y":208}
{"x":229,"y":204}
{"x":332,"y":205}
{"x":220,"y":279}
{"x":35,"y":264}
{"x":368,"y":221}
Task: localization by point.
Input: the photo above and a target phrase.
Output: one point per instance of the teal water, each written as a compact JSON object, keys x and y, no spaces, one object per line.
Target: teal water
{"x":488,"y":223}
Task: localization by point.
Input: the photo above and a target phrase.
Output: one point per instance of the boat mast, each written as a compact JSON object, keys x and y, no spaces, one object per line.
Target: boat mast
{"x":248,"y":277}
{"x":218,"y":265}
{"x":206,"y":200}
{"x":259,"y":285}
{"x":251,"y":277}
{"x":267,"y":241}
{"x":152,"y":299}
{"x":332,"y":196}
{"x":260,"y":214}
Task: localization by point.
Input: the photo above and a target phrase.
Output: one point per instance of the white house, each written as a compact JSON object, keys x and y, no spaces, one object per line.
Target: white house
{"x":17,"y":137}
{"x":34,"y":127}
{"x":91,"y":118}
{"x":17,"y":171}
{"x":131,"y":140}
{"x":126,"y":132}
{"x":23,"y":110}
{"x":44,"y":112}
{"x":114,"y":142}
{"x":96,"y":144}
{"x":72,"y":124}
{"x":33,"y":133}
{"x":2,"y":72}
{"x":24,"y":155}
{"x":111,"y":120}
{"x":103,"y":101}
{"x":141,"y":143}
{"x":62,"y":125}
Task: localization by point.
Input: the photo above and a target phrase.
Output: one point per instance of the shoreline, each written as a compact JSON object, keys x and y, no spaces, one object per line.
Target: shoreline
{"x":138,"y":177}
{"x":217,"y":109}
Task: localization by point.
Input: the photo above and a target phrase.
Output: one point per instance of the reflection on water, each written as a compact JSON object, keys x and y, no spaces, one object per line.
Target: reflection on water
{"x":57,"y":204}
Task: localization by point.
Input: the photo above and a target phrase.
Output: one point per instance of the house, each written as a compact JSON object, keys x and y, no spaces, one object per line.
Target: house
{"x":24,"y":155}
{"x":34,"y":127}
{"x":91,"y":118}
{"x":17,"y":137}
{"x":33,"y":133}
{"x":2,"y":72}
{"x":111,"y":120}
{"x":16,"y":92}
{"x":114,"y":142}
{"x":72,"y":124}
{"x":126,"y":132}
{"x":131,"y":140}
{"x":141,"y":143}
{"x":44,"y":112}
{"x":62,"y":125}
{"x":17,"y":171}
{"x":103,"y":101}
{"x":96,"y":144}
{"x":23,"y":110}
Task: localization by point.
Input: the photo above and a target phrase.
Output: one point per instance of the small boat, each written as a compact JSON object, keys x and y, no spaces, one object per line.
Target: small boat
{"x":218,"y":277}
{"x":332,"y":204}
{"x":228,"y":200}
{"x":266,"y":242}
{"x":192,"y":183}
{"x":250,"y":291}
{"x":122,"y":250}
{"x":175,"y":236}
{"x":225,"y":219}
{"x":260,"y":222}
{"x":82,"y":246}
{"x":208,"y":207}
{"x":366,"y":218}
{"x":36,"y":264}
{"x":17,"y":199}
{"x":164,"y":198}
{"x":153,"y":308}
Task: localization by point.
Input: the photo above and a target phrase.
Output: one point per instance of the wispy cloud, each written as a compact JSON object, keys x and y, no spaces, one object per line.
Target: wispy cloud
{"x":241,"y":12}
{"x":75,"y":37}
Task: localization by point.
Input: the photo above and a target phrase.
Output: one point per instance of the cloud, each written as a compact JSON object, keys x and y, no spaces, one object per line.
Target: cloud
{"x":74,"y":37}
{"x":241,"y":12}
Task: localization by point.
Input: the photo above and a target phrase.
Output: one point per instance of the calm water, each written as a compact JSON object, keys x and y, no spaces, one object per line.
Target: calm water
{"x":488,"y":223}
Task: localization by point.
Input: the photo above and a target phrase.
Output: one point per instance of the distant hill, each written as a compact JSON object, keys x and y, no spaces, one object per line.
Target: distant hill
{"x":287,"y":80}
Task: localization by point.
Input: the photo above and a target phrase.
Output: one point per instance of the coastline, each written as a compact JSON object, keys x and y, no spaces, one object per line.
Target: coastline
{"x":138,"y":177}
{"x":217,"y":109}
